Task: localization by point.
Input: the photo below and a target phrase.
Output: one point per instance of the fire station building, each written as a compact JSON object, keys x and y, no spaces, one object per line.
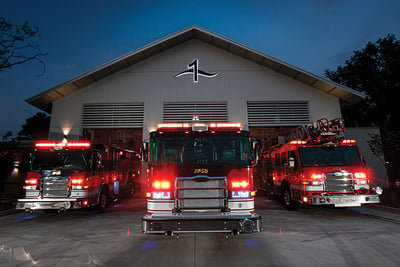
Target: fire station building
{"x":192,"y":74}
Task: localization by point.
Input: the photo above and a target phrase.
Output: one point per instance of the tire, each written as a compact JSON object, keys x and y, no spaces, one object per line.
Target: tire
{"x":104,"y":199}
{"x":50,"y":211}
{"x":287,"y":199}
{"x":130,"y":192}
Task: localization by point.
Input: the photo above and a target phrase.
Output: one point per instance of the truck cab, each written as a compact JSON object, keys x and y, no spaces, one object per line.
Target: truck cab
{"x":200,"y":180}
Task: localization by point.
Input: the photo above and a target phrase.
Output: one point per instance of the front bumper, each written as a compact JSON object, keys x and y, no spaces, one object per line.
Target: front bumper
{"x":48,"y":203}
{"x":193,"y":222}
{"x":343,"y":200}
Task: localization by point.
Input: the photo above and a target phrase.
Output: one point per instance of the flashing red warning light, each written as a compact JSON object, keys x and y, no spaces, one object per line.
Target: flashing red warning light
{"x":61,"y":145}
{"x":78,"y":144}
{"x":226,"y":125}
{"x":164,"y":185}
{"x":32,"y":178}
{"x":240,"y":184}
{"x":173,"y":126}
{"x":77,"y":181}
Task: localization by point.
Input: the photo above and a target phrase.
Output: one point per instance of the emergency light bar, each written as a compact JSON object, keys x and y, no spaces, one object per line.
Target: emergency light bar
{"x":54,"y":145}
{"x":173,"y":126}
{"x":348,"y":141}
{"x":200,"y":126}
{"x":226,"y":125}
{"x":298,"y":142}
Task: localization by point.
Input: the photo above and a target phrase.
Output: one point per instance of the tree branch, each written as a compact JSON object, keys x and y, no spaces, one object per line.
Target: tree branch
{"x":17,"y":46}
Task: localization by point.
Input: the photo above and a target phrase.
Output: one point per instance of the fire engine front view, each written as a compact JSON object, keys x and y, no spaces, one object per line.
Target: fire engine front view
{"x":317,"y":166}
{"x":201,"y":180}
{"x":200,"y":175}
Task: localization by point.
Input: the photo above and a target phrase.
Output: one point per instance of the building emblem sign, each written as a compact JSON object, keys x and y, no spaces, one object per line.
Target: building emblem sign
{"x":193,"y":69}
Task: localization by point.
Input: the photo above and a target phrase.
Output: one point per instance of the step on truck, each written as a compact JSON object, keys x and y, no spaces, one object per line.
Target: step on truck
{"x":200,"y":179}
{"x":73,"y":175}
{"x":317,"y":166}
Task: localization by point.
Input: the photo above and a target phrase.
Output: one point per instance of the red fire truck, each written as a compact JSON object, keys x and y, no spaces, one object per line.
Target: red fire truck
{"x":317,"y":166}
{"x":73,"y":175}
{"x":200,"y":179}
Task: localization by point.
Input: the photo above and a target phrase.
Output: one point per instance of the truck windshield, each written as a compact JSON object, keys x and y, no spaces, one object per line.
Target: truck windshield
{"x":329,"y":156}
{"x":51,"y":160}
{"x":200,"y":149}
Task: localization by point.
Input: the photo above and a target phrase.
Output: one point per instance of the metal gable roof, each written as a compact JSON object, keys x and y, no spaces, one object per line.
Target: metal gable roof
{"x":45,"y":99}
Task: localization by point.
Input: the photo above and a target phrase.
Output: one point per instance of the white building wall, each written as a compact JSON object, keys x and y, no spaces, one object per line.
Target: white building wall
{"x":375,"y":163}
{"x":152,"y":81}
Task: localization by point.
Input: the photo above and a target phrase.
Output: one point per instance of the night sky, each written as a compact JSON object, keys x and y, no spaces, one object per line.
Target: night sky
{"x":80,"y":35}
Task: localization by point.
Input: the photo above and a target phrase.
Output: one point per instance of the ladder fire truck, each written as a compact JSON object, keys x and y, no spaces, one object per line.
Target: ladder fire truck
{"x":317,"y":166}
{"x":200,"y":179}
{"x":73,"y":175}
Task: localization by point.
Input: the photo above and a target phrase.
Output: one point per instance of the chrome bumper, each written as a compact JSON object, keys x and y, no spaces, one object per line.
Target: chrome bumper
{"x":191,"y":223}
{"x":47,"y":203}
{"x":344,"y":200}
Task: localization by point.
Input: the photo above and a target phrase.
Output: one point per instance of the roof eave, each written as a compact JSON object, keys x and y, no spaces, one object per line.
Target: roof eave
{"x":45,"y":99}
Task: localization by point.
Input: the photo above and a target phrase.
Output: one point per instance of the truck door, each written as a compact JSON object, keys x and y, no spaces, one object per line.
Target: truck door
{"x":292,"y":167}
{"x":98,"y":169}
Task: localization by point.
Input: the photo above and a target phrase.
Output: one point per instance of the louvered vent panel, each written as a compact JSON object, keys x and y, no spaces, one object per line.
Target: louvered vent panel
{"x":278,"y":113}
{"x":128,"y":115}
{"x":206,"y":111}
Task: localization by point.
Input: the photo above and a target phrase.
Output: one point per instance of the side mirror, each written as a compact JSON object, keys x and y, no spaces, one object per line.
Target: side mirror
{"x":291,"y":163}
{"x":144,"y":151}
{"x":364,"y":162}
{"x":255,"y":151}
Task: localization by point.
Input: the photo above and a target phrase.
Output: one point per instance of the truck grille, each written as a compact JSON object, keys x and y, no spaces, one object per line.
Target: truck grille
{"x":339,"y":182}
{"x":55,"y":186}
{"x":201,"y":193}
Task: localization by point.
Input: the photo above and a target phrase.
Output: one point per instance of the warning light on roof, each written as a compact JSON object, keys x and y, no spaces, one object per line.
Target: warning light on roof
{"x":226,"y":125}
{"x":298,"y":142}
{"x":173,"y":125}
{"x":61,"y":145}
{"x":348,"y":141}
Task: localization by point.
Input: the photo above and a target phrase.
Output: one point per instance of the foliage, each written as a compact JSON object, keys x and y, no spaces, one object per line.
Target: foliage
{"x":17,"y":44}
{"x":374,"y":70}
{"x":35,"y":127}
{"x":8,"y":141}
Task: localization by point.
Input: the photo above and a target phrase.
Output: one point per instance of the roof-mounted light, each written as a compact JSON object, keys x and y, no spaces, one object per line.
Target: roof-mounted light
{"x":62,"y":145}
{"x":199,"y":127}
{"x":173,"y":126}
{"x":348,"y":141}
{"x":298,"y":142}
{"x":78,"y":144}
{"x":225,"y":125}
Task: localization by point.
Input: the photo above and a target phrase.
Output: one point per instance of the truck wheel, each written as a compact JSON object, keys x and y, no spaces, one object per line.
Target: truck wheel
{"x":131,"y":188}
{"x":104,"y":199}
{"x":50,"y":211}
{"x":289,"y":203}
